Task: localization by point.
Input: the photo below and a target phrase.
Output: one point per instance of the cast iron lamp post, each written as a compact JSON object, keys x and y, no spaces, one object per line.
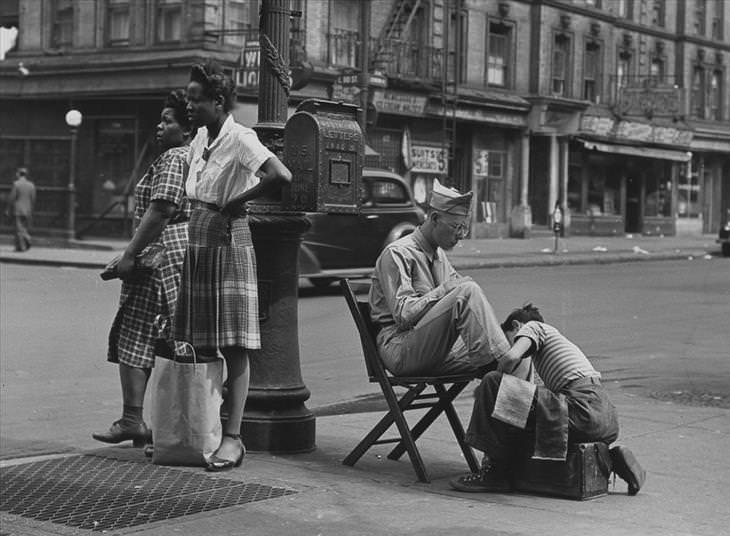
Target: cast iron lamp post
{"x":276,"y":419}
{"x":73,"y":120}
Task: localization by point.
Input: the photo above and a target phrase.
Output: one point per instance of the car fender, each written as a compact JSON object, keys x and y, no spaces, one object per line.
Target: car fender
{"x":399,"y":231}
{"x":308,"y":263}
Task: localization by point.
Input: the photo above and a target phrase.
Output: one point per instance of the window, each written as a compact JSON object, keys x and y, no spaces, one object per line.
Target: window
{"x":457,"y":48}
{"x":561,"y":59}
{"x":624,"y":67}
{"x":657,"y":12}
{"x":714,"y":96}
{"x":591,"y":72}
{"x":240,"y":21}
{"x":489,"y":168}
{"x":624,"y":8}
{"x":658,"y":201}
{"x":386,"y":192}
{"x":498,"y":55}
{"x":700,"y":15}
{"x":698,"y":92}
{"x":344,"y":36}
{"x":718,"y":19}
{"x":63,"y":22}
{"x":656,"y":70}
{"x":117,"y":16}
{"x":169,"y":21}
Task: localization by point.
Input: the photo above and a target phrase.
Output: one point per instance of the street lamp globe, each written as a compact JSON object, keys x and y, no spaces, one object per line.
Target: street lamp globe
{"x":73,"y":118}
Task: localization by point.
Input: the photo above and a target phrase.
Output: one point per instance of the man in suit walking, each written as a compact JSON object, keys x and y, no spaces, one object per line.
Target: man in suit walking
{"x":21,"y":201}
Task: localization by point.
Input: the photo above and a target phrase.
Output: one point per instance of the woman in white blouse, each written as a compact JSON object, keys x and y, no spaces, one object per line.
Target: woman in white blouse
{"x":217,"y":310}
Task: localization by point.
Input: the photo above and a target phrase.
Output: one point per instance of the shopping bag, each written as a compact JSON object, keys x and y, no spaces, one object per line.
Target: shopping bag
{"x":185,"y":410}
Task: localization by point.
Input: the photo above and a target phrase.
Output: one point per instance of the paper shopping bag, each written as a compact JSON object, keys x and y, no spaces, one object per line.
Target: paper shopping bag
{"x":185,"y":413}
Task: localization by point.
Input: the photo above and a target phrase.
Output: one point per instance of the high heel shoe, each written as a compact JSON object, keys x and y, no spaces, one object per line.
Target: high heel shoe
{"x":217,"y":464}
{"x":139,"y":433}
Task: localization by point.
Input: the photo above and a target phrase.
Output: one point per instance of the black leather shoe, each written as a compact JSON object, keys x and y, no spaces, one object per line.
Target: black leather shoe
{"x":627,"y":468}
{"x":217,"y":464}
{"x":139,"y":433}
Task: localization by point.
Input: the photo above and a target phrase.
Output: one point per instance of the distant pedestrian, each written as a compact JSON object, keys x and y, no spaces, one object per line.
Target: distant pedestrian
{"x":21,"y":202}
{"x":147,"y":300}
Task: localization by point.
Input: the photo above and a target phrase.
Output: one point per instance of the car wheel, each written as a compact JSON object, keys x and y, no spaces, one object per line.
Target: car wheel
{"x":322,"y":283}
{"x":726,"y":250}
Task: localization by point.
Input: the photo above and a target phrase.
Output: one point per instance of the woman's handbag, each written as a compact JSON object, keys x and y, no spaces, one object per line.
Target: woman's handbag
{"x":186,"y":399}
{"x":150,"y":259}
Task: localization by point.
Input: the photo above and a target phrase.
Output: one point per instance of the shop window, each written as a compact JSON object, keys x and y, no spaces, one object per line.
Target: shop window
{"x":169,"y":21}
{"x":498,"y":55}
{"x":657,"y":12}
{"x":240,"y":21}
{"x":603,"y":195}
{"x":561,"y":62}
{"x":688,"y":189}
{"x":718,"y":19}
{"x":490,"y":168}
{"x":714,"y":95}
{"x":658,"y":201}
{"x":592,"y":73}
{"x":63,"y":21}
{"x":700,"y":16}
{"x":698,"y":92}
{"x":117,"y":17}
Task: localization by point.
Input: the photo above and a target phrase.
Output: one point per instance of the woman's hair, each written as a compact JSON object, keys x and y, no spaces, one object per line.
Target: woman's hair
{"x":215,"y":83}
{"x":176,"y":101}
{"x":523,"y":314}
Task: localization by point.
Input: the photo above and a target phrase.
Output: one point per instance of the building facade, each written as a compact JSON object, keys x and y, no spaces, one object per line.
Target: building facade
{"x":618,"y":111}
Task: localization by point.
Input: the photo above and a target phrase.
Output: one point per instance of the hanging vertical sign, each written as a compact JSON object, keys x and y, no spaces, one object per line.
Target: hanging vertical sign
{"x":247,"y":76}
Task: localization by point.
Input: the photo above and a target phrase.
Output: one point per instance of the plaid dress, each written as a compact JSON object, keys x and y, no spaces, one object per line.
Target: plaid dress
{"x":218,"y":302}
{"x":146,"y":306}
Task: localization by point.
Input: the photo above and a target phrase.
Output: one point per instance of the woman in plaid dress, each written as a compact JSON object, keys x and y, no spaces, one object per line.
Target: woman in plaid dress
{"x":217,"y":309}
{"x":147,"y":301}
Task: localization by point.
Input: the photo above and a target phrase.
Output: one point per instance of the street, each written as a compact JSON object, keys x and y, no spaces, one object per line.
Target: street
{"x":658,"y":329}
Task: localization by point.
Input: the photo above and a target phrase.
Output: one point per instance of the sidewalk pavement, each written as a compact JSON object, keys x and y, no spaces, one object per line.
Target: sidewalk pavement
{"x":683,"y":448}
{"x":468,"y":254}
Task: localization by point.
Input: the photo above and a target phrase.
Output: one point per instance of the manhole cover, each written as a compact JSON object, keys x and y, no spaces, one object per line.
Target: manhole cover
{"x":96,"y":493}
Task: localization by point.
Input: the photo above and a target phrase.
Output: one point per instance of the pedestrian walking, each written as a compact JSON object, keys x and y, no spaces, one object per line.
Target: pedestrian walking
{"x":148,"y":299}
{"x":217,"y":310}
{"x":20,"y":204}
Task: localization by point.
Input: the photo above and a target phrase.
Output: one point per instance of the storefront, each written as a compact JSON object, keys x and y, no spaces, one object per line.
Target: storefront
{"x":629,"y":177}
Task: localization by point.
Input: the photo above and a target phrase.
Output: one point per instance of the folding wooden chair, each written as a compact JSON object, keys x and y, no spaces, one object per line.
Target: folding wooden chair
{"x":444,"y":390}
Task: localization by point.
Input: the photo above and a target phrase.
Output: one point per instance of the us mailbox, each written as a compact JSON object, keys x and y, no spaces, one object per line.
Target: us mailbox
{"x":324,"y":149}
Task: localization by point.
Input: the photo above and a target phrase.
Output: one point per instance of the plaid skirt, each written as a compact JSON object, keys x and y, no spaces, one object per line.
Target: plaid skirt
{"x":218,"y":300}
{"x":146,"y":307}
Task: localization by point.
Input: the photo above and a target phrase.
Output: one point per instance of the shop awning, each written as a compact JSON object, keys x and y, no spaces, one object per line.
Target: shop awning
{"x":632,"y":150}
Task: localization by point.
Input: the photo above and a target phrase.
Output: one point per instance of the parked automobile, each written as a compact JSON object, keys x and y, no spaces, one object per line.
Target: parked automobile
{"x":347,"y":245}
{"x":723,"y":236}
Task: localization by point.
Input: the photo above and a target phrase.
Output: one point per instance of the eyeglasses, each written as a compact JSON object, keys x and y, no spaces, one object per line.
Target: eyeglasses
{"x":460,"y":229}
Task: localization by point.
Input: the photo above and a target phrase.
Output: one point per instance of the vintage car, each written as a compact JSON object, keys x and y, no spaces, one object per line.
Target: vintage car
{"x":347,"y":245}
{"x":723,"y":236}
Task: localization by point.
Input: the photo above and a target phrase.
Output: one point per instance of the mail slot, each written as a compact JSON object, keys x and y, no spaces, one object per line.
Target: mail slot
{"x":323,"y":148}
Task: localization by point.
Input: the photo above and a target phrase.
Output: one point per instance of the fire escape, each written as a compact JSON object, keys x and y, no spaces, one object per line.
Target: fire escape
{"x":432,"y":60}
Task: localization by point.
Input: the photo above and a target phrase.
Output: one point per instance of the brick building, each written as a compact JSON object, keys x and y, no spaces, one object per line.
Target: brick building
{"x":618,"y":110}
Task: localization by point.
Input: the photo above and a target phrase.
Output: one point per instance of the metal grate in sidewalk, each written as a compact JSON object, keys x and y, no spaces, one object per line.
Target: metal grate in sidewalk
{"x":97,"y":493}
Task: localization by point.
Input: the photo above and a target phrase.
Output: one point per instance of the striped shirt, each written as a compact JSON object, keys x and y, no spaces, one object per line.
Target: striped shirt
{"x":557,"y":360}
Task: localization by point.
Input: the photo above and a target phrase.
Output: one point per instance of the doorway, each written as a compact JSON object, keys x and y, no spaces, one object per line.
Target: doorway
{"x":634,"y":182}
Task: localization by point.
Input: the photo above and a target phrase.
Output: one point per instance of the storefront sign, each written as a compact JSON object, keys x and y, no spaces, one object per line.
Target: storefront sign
{"x":247,"y":75}
{"x":428,"y":159}
{"x":482,"y":116}
{"x":346,"y":88}
{"x":635,"y":131}
{"x":650,"y":101}
{"x":397,"y":102}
